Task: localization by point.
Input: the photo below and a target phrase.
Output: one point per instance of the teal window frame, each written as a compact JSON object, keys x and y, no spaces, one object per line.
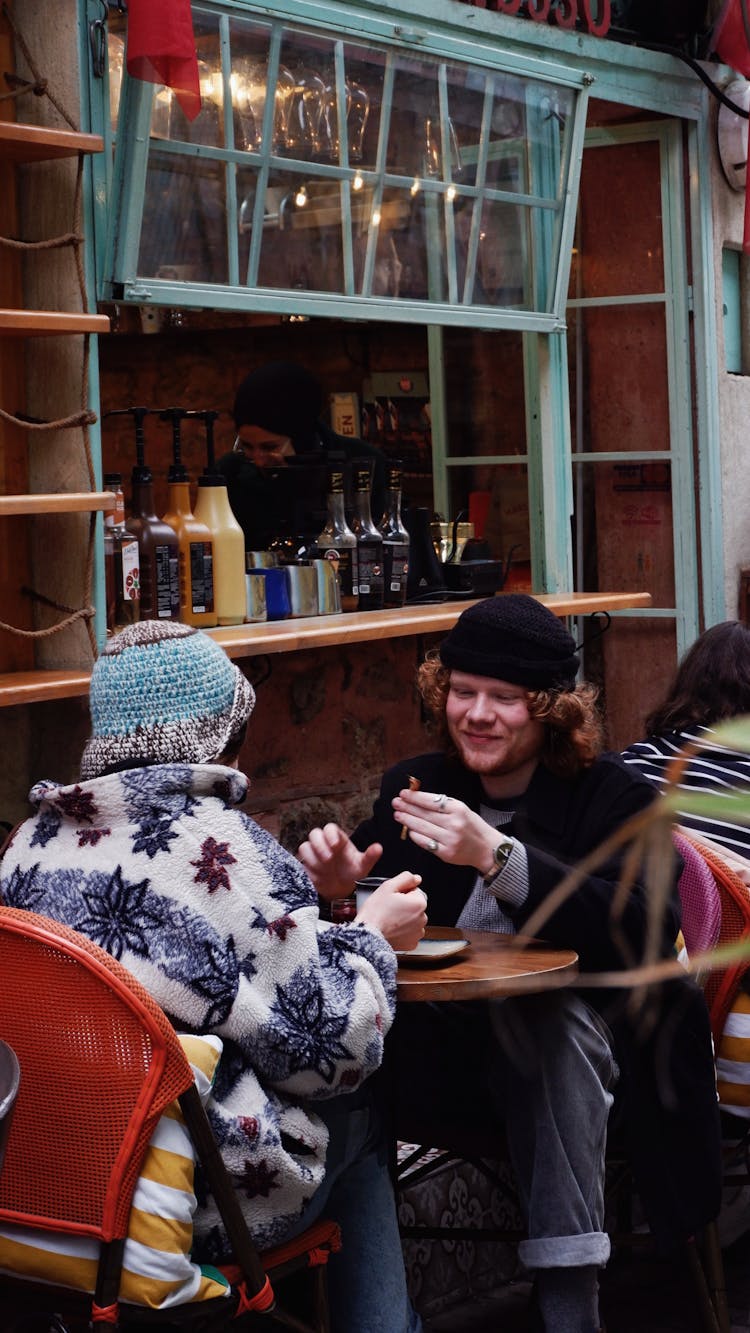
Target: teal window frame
{"x":644,"y":80}
{"x":551,"y":207}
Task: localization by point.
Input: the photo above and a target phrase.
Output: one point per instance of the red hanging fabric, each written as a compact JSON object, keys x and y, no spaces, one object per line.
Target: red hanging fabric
{"x":731,"y":41}
{"x":161,"y":49}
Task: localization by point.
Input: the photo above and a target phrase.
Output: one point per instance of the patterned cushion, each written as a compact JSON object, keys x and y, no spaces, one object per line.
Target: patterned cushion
{"x":733,"y":1058}
{"x":157,"y":1270}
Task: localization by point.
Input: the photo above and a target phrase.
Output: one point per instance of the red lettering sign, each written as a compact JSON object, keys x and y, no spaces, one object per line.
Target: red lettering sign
{"x":593,"y":15}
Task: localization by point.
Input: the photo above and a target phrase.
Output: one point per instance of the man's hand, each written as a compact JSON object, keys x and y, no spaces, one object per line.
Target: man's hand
{"x":398,"y":909}
{"x":334,"y":863}
{"x":447,"y":828}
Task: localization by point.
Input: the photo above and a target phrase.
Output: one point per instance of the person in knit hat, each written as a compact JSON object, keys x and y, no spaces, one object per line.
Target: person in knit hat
{"x":518,"y":793}
{"x":150,"y":855}
{"x":276,"y":473}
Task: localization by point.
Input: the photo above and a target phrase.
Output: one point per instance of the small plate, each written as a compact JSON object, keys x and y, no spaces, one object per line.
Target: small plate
{"x":432,"y":951}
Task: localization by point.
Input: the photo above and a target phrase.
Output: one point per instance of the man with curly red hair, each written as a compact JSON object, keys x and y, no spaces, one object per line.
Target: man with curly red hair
{"x":519,"y":792}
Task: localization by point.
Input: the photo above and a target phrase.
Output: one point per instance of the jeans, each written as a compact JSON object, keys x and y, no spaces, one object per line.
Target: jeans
{"x":541,"y":1066}
{"x":366,"y":1280}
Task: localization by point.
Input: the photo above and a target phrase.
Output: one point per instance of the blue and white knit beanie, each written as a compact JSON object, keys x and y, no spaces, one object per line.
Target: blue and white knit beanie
{"x":163,"y":693}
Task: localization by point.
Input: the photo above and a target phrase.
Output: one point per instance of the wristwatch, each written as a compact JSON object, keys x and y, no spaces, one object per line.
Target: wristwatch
{"x":499,"y":858}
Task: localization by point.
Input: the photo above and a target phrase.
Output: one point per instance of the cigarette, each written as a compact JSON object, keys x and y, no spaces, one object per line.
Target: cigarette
{"x":414,"y":785}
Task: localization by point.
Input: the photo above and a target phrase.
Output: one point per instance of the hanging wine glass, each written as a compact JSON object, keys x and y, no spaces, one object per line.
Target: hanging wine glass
{"x":249,"y":92}
{"x":357,"y":115}
{"x":307,"y":101}
{"x":329,"y":119}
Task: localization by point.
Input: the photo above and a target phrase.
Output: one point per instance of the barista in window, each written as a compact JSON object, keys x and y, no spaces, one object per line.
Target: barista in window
{"x":277,"y":415}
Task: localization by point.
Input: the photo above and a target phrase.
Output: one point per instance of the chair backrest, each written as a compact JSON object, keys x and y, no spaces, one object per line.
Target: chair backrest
{"x":699,"y":898}
{"x":100,"y":1063}
{"x":10,"y":1075}
{"x":720,"y":986}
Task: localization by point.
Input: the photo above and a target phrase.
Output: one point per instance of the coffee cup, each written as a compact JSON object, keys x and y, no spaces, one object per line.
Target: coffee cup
{"x":364,"y":888}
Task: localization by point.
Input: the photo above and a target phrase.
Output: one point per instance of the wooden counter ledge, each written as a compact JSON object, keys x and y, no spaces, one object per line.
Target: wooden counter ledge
{"x":288,"y":636}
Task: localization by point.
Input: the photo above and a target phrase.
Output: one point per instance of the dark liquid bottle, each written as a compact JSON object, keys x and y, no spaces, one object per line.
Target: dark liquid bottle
{"x":121,"y":563}
{"x":159,"y":552}
{"x":369,"y":543}
{"x":338,"y":543}
{"x":395,"y":541}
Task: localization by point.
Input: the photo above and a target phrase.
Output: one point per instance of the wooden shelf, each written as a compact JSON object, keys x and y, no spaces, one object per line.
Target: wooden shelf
{"x":37,"y":143}
{"x":70,"y":502}
{"x":288,"y":636}
{"x":45,"y":323}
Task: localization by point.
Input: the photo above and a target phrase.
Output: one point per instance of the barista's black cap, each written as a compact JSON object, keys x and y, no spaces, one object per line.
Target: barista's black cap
{"x":512,"y":637}
{"x":282,"y":397}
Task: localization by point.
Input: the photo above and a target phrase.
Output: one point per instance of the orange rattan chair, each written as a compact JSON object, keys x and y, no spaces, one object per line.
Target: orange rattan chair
{"x":100,"y":1063}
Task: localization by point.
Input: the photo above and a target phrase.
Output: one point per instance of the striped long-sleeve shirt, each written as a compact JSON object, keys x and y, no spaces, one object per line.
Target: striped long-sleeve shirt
{"x":713,"y":769}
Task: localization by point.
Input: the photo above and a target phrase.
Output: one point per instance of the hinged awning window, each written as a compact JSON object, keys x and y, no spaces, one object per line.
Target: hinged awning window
{"x":327,"y":172}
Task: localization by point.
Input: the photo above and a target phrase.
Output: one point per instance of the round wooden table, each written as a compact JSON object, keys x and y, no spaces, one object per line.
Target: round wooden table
{"x":490,"y":966}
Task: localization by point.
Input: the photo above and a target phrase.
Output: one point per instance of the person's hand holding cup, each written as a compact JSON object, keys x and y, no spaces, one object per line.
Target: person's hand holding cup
{"x":396,"y":907}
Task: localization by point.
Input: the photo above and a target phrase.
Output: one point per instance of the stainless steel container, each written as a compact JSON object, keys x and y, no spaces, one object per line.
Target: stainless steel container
{"x":260,"y":560}
{"x":303,"y":589}
{"x":329,"y":593}
{"x":255,"y":592}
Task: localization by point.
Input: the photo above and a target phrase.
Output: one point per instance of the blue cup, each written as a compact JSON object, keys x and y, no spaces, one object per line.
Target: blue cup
{"x":278,"y":605}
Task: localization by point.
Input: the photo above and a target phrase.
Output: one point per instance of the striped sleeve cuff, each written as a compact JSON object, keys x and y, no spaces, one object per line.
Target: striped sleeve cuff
{"x":511,"y":883}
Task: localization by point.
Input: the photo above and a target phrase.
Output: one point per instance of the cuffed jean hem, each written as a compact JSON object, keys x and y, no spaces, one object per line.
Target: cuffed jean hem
{"x":565,"y":1251}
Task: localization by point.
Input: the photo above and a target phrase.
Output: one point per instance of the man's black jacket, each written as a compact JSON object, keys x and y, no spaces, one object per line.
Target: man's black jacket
{"x":667,"y":1104}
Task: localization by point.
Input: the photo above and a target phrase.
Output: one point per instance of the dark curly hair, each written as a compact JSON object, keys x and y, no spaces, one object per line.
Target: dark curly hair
{"x":712,"y":682}
{"x":573,"y":733}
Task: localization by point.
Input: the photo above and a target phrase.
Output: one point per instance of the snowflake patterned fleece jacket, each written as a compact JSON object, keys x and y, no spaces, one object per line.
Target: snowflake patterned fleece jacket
{"x":221,"y":925}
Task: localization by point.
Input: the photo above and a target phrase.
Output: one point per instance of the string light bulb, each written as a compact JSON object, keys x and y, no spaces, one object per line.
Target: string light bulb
{"x":376,"y":217}
{"x":300,"y":197}
{"x":358,"y":182}
{"x":415,"y":186}
{"x":450,"y":193}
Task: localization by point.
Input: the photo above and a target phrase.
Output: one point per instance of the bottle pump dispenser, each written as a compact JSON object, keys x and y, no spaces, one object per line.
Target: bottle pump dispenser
{"x":158,"y":547}
{"x":195,"y":540}
{"x":213,"y":509}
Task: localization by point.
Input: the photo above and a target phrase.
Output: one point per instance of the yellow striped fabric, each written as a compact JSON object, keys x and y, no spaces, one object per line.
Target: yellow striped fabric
{"x":733,"y":1059}
{"x":157,"y":1270}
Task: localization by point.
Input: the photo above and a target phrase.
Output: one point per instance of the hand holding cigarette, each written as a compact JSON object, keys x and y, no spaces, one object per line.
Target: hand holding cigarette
{"x":414,"y":785}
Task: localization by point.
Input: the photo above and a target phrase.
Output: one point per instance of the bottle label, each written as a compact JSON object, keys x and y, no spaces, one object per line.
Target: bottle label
{"x":347,"y":570}
{"x":131,"y":571}
{"x":396,"y":565}
{"x":201,"y":578}
{"x":370,"y":558}
{"x":167,"y":574}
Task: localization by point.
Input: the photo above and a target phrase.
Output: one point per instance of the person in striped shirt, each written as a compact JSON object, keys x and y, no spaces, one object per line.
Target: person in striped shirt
{"x":712,"y":684}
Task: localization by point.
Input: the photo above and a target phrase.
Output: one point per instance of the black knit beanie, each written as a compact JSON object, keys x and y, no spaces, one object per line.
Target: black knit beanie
{"x":281,"y":397}
{"x":512,"y":637}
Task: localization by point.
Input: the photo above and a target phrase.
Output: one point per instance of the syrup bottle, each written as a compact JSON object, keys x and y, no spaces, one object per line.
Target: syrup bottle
{"x":121,"y":564}
{"x":158,"y":547}
{"x":213,"y":510}
{"x":196,"y":548}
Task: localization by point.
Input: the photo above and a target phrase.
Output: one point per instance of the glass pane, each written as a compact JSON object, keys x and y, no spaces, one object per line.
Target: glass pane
{"x":249,"y":43}
{"x":309,"y":118}
{"x":301,"y":247}
{"x":167,"y":118}
{"x":419,"y":180}
{"x":619,"y":246}
{"x":183,"y":238}
{"x":617,"y":358}
{"x":484,"y":385}
{"x":503,"y":275}
{"x":405,"y":238}
{"x":625,"y":530}
{"x":614,"y":663}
